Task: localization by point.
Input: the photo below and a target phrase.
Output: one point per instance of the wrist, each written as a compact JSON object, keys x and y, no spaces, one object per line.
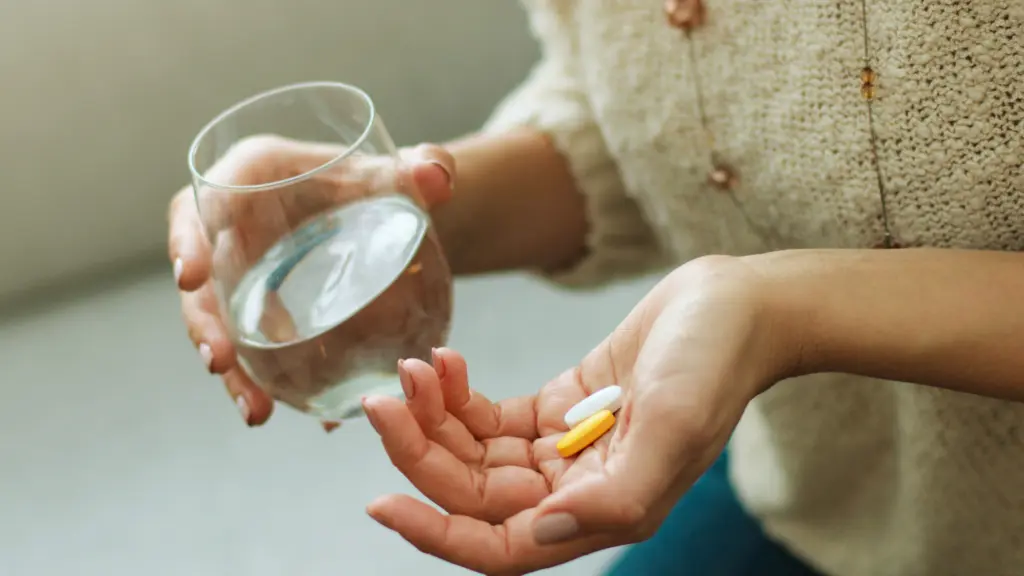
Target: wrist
{"x":452,"y":233}
{"x":746,"y":302}
{"x":788,"y":310}
{"x":514,"y":206}
{"x":817,"y":299}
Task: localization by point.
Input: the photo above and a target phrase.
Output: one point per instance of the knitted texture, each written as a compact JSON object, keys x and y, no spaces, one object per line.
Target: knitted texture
{"x":860,"y":477}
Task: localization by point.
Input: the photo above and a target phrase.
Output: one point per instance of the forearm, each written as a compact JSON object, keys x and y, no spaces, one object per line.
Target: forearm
{"x":515,"y":206}
{"x":945,"y":318}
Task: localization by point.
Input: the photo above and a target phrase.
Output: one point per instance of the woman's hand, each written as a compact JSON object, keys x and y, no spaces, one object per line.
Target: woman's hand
{"x":259,"y":160}
{"x":690,"y":357}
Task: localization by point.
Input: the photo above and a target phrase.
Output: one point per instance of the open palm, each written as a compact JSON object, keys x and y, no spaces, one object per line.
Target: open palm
{"x":689,"y":357}
{"x":487,"y":464}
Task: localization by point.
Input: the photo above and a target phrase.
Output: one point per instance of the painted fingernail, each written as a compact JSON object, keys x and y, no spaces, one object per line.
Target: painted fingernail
{"x":555,"y":528}
{"x":178,"y":267}
{"x":368,"y":409}
{"x":408,"y":386}
{"x":243,"y":408}
{"x":448,"y":175}
{"x":206,"y":353}
{"x":374,"y":510}
{"x":330,"y":426}
{"x":438,"y":362}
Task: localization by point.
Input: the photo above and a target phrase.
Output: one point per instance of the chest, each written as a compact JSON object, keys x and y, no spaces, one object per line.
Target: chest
{"x":774,"y":90}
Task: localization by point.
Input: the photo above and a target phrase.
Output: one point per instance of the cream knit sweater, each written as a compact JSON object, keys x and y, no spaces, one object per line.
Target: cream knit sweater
{"x":858,"y":477}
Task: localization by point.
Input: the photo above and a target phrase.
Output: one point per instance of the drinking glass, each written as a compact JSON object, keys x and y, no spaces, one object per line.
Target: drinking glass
{"x":325,"y":264}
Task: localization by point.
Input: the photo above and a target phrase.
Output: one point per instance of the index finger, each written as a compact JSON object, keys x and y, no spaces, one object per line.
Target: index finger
{"x":187,"y":244}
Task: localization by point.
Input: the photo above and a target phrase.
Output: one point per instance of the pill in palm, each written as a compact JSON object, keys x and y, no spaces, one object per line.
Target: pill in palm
{"x":609,"y":398}
{"x":585,"y":434}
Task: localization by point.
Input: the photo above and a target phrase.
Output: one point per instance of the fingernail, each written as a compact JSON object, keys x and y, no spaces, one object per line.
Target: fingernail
{"x":243,"y":407}
{"x":408,"y":386}
{"x":370,"y":414}
{"x":330,"y":426}
{"x":206,"y":353}
{"x":448,"y":175}
{"x":555,"y":528}
{"x":178,"y":267}
{"x":373,"y":510}
{"x":438,"y":361}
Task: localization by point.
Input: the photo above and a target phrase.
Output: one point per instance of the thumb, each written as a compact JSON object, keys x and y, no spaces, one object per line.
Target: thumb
{"x":627,"y":498}
{"x":433,"y":172}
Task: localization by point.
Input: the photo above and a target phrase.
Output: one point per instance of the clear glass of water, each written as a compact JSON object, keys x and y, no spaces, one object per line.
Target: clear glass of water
{"x":326,"y":267}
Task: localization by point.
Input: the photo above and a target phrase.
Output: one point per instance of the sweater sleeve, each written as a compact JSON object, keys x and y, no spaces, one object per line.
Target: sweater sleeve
{"x":620,"y":242}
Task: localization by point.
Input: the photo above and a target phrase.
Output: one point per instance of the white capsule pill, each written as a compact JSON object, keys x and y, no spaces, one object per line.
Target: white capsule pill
{"x":609,"y":398}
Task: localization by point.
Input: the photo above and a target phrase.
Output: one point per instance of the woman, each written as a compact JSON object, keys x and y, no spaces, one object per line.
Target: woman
{"x":861,"y":163}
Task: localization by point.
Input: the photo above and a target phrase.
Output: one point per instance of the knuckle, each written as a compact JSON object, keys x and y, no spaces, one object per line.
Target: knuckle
{"x":195,"y":334}
{"x":193,"y":318}
{"x":446,"y":158}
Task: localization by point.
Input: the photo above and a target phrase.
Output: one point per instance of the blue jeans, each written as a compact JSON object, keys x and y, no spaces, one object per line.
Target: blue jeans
{"x":709,"y":534}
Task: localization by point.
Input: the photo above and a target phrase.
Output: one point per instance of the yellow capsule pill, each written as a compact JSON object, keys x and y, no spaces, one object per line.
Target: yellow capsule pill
{"x":585,"y":433}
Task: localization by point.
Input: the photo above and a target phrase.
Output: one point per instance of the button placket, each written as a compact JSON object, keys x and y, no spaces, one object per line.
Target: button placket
{"x":687,"y":15}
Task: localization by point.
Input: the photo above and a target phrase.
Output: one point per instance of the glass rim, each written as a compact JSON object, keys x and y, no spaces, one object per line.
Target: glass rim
{"x":194,"y":148}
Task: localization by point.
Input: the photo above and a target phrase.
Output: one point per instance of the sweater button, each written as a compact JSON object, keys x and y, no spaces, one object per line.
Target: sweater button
{"x":684,"y":14}
{"x":723,"y":178}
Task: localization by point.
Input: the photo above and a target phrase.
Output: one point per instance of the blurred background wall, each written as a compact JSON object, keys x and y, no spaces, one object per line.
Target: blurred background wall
{"x":99,"y":101}
{"x":118,"y":454}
